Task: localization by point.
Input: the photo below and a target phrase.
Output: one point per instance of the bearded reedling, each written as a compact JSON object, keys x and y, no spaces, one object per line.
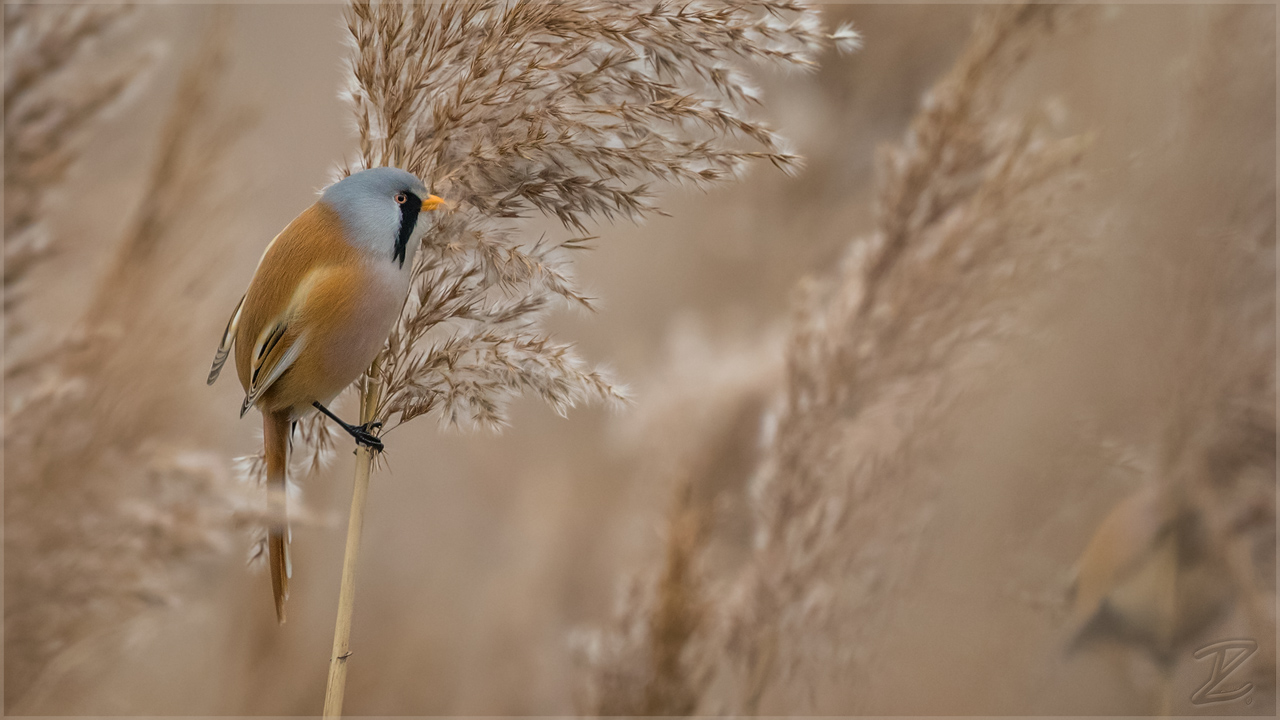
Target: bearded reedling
{"x":321,"y":304}
{"x":1149,"y":579}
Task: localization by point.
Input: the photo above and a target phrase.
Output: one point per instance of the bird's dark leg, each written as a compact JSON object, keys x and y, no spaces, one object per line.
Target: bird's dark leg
{"x":362,"y":433}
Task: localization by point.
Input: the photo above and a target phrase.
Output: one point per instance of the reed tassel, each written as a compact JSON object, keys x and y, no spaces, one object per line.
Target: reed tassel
{"x":570,"y":110}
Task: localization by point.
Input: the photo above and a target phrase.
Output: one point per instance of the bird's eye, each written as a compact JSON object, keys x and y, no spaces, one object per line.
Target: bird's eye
{"x":401,"y":198}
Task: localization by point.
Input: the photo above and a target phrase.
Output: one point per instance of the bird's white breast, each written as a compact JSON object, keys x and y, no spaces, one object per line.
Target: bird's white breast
{"x":375,"y":309}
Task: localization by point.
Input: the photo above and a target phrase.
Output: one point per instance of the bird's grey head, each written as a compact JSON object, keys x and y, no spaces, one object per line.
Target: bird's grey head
{"x":383,"y":210}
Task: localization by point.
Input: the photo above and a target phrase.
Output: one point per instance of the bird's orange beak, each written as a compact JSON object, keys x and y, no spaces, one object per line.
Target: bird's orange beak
{"x":431,"y":202}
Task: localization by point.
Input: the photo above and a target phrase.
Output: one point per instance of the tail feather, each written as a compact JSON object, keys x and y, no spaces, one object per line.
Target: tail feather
{"x":275,"y":438}
{"x":224,"y":346}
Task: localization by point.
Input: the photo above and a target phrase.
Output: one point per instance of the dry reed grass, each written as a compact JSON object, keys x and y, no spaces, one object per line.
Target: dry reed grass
{"x":567,"y":109}
{"x":829,"y":452}
{"x":967,"y":224}
{"x":1213,"y":458}
{"x":653,"y":659}
{"x":570,"y":110}
{"x":962,"y":234}
{"x":108,"y":500}
{"x":970,"y":226}
{"x":643,"y":668}
{"x":51,"y":105}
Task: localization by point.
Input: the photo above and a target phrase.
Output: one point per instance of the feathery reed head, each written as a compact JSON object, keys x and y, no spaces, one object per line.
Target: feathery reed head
{"x":51,"y":103}
{"x":572,"y":110}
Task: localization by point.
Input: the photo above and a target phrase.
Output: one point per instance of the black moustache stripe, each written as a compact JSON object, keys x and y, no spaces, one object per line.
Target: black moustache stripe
{"x":409,"y":210}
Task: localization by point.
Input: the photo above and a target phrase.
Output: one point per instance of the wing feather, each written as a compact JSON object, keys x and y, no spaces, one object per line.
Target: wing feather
{"x":276,"y":351}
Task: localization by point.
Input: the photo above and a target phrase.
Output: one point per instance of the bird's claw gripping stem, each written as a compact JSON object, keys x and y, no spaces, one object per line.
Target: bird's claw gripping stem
{"x":362,"y":433}
{"x":364,"y":436}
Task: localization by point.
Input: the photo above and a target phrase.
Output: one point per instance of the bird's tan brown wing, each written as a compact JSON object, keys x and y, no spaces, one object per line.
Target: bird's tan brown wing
{"x":278,"y":346}
{"x":1123,"y":540}
{"x":266,"y":343}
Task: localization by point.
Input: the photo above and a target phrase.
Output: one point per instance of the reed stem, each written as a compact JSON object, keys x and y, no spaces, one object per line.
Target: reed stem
{"x":337,"y":683}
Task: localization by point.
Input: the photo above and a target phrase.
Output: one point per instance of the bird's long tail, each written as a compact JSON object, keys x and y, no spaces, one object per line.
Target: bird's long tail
{"x":275,"y":438}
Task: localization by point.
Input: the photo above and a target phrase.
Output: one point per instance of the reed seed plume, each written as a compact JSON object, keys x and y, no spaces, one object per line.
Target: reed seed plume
{"x":108,"y":497}
{"x":871,"y":363}
{"x":186,"y":160}
{"x":641,"y":665}
{"x":961,"y":238}
{"x":697,"y":438}
{"x":570,"y":110}
{"x":962,"y":235}
{"x":52,"y":101}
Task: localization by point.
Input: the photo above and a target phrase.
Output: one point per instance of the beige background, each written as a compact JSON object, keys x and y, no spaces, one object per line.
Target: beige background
{"x":484,"y":553}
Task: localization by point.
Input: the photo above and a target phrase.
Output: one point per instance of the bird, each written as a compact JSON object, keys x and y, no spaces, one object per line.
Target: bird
{"x":320,"y":307}
{"x":1148,"y":578}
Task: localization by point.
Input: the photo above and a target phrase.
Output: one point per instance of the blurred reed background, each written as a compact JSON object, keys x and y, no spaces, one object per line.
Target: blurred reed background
{"x":974,"y":414}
